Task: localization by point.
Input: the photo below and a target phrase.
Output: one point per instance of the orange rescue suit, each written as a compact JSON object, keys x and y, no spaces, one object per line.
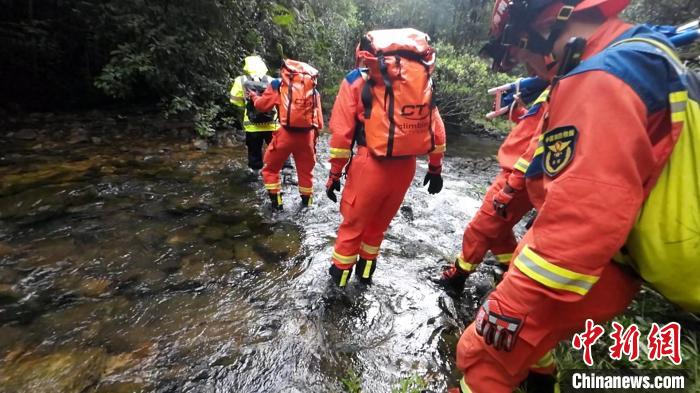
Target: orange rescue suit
{"x":603,"y":144}
{"x":375,"y":187}
{"x":300,"y":144}
{"x":489,"y":230}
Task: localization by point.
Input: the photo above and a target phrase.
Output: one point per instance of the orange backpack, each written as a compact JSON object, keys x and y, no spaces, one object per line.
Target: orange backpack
{"x":398,"y":96}
{"x":298,"y":96}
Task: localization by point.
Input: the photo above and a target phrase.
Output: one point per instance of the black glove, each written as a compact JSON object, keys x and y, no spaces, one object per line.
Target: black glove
{"x":333,"y":185}
{"x":498,"y":329}
{"x":434,"y":178}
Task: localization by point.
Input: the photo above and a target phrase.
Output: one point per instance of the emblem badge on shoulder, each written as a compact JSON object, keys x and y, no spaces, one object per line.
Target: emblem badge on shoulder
{"x":559,"y":146}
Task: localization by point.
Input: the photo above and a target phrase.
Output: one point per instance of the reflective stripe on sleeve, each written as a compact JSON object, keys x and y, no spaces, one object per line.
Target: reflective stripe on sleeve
{"x":551,"y":275}
{"x":679,"y":102}
{"x":546,"y":361}
{"x":521,"y":165}
{"x":440,"y":148}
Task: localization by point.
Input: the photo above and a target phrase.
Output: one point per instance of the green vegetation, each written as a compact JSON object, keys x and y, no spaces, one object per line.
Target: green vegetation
{"x":181,"y":56}
{"x":352,"y":383}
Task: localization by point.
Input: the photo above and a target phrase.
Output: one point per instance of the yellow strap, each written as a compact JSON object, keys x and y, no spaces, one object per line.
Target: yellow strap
{"x":551,"y":275}
{"x":344,"y":278}
{"x":368,"y":269}
{"x":657,"y":44}
{"x":345,"y":259}
{"x":542,"y":98}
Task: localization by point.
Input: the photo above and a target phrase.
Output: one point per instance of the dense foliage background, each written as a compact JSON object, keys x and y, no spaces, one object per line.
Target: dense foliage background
{"x":182,"y":55}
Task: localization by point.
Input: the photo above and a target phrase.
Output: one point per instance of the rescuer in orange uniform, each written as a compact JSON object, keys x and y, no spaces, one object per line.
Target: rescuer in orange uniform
{"x":605,"y":138}
{"x":504,"y":204}
{"x":376,"y":185}
{"x":300,"y":143}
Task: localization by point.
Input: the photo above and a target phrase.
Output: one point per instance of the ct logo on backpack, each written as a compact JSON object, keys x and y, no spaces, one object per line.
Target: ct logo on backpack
{"x":559,"y":145}
{"x":416,"y":112}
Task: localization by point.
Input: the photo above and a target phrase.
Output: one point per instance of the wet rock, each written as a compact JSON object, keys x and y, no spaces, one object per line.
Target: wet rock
{"x":26,"y":134}
{"x":192,"y":268}
{"x":122,"y":387}
{"x":5,"y":249}
{"x":213,"y":233}
{"x":78,"y":135}
{"x":9,"y":294}
{"x":66,"y":372}
{"x":407,"y":212}
{"x":94,"y":287}
{"x":38,"y":146}
{"x":8,"y":275}
{"x":200,"y":144}
{"x":96,"y":140}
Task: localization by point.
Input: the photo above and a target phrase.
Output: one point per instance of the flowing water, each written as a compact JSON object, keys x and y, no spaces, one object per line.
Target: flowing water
{"x":140,"y":264}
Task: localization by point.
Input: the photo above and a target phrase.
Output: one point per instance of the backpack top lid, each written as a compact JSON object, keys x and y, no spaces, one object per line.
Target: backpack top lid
{"x":400,"y":40}
{"x":299,"y":67}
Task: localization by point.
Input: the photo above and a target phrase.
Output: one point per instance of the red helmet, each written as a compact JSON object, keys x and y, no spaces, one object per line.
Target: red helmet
{"x":512,"y":18}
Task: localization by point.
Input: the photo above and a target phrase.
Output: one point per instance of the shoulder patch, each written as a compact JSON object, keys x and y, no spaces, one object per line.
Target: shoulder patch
{"x":354,"y":75}
{"x":559,"y":146}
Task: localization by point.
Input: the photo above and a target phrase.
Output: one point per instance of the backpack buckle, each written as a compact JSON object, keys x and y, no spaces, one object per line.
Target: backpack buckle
{"x":565,"y":13}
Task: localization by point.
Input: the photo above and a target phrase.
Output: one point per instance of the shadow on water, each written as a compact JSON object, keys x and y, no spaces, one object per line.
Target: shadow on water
{"x":145,"y":265}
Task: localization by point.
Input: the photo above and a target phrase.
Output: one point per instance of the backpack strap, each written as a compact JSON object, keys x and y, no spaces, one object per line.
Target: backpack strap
{"x":666,"y":51}
{"x":388,"y":93}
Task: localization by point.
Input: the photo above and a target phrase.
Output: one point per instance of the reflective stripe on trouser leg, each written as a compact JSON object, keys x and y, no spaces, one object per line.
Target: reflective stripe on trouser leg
{"x":344,"y":261}
{"x":464,"y":265}
{"x":368,"y":252}
{"x":305,"y":190}
{"x":463,"y":386}
{"x":503,"y":258}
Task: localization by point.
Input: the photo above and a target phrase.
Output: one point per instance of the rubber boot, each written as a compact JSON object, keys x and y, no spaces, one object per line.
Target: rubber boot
{"x":365,"y":270}
{"x":306,"y":201}
{"x":339,"y":276}
{"x":499,"y":270}
{"x":276,"y":201}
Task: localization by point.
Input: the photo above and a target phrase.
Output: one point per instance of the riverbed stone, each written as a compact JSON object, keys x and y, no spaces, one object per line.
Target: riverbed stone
{"x":26,"y":134}
{"x":78,"y":135}
{"x":69,"y":371}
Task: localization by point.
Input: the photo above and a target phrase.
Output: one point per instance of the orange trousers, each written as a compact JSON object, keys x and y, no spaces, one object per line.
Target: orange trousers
{"x":486,"y":370}
{"x":373,"y":193}
{"x":489,"y":231}
{"x":302,"y":147}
